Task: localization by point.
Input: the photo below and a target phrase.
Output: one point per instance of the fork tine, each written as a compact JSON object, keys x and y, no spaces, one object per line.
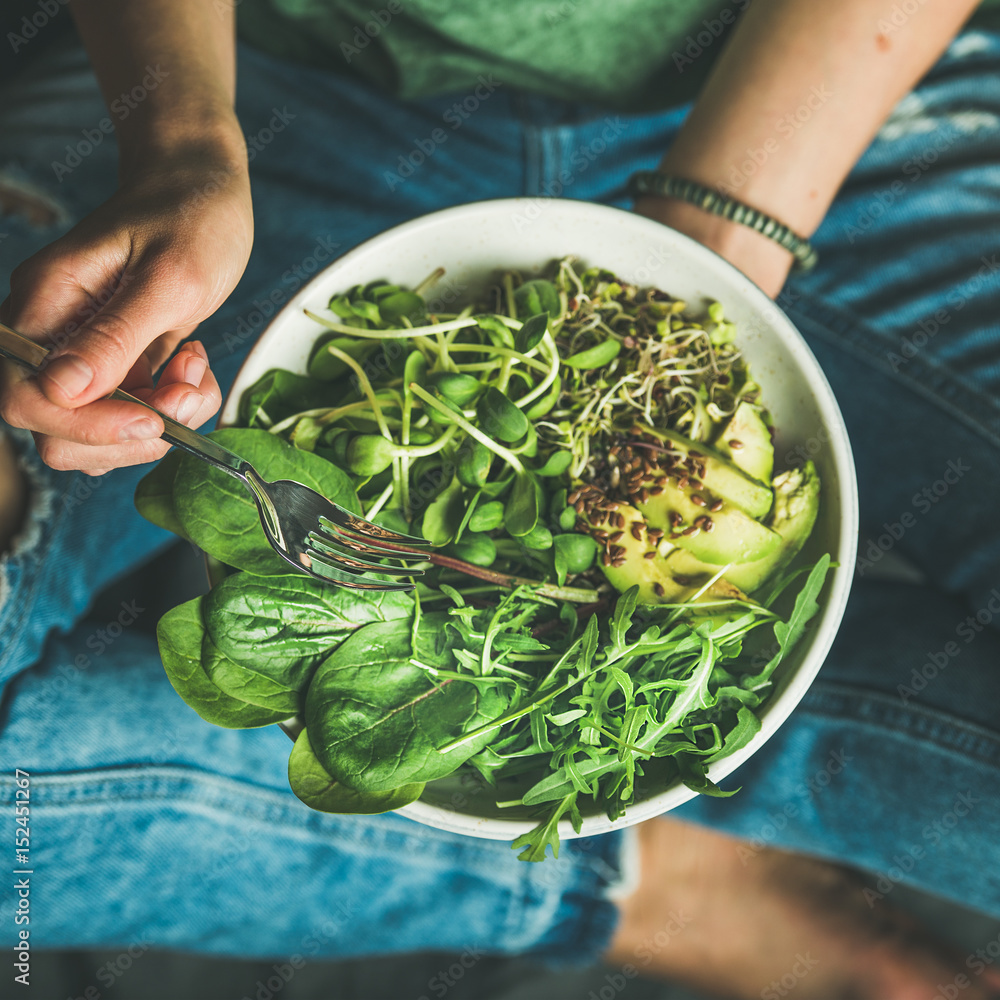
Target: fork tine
{"x":349,"y":562}
{"x":369,"y":531}
{"x":327,"y":569}
{"x":334,"y":536}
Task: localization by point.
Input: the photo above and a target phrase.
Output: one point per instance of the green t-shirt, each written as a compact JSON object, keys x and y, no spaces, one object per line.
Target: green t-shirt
{"x":627,"y":55}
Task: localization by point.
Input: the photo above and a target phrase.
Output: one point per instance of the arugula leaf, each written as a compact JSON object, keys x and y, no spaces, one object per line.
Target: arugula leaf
{"x":180,"y":634}
{"x":314,"y":786}
{"x":746,"y":728}
{"x":788,"y":633}
{"x":546,"y":834}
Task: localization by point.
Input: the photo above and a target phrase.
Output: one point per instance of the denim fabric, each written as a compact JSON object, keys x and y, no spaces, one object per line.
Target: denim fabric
{"x":187,"y":835}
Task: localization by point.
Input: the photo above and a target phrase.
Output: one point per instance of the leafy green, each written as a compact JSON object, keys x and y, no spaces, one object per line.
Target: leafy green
{"x":217,"y":512}
{"x":378,"y":720}
{"x":180,"y":634}
{"x":251,"y":686}
{"x":154,"y":494}
{"x":310,"y":781}
{"x":788,"y":633}
{"x":286,"y":625}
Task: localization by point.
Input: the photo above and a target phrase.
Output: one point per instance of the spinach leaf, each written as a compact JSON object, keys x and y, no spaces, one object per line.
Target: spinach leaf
{"x":376,"y":718}
{"x":154,"y":495}
{"x":314,"y":786}
{"x":217,"y":511}
{"x":180,"y":634}
{"x":245,"y":684}
{"x":283,"y":626}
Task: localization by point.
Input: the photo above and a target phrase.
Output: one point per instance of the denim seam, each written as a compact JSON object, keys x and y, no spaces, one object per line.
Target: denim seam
{"x":934,"y":382}
{"x":949,"y":734}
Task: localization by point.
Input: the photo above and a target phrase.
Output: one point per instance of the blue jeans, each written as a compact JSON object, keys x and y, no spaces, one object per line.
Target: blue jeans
{"x":150,"y":824}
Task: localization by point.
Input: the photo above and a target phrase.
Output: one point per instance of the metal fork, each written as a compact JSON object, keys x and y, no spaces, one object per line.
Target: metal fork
{"x":311,"y":533}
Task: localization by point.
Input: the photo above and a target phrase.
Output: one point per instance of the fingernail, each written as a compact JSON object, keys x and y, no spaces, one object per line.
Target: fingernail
{"x":139,"y":430}
{"x":194,"y":369}
{"x":71,"y":374}
{"x":200,"y":348}
{"x":189,"y":405}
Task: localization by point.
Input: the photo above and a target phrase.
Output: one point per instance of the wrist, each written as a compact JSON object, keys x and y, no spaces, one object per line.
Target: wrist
{"x":762,"y":260}
{"x":199,"y":135}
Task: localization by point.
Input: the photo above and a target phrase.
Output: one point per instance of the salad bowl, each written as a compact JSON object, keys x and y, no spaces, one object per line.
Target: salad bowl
{"x":475,"y":243}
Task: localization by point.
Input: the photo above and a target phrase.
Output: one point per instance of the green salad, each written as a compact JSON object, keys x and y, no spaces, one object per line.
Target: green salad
{"x":609,"y":591}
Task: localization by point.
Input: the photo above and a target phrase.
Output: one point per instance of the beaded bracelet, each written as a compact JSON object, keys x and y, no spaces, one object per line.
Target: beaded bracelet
{"x":652,"y":182}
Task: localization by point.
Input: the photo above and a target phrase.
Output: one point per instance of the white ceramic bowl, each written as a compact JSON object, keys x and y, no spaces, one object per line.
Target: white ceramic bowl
{"x":474,"y":243}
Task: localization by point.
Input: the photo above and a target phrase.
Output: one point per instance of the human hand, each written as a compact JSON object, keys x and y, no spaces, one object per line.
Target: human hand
{"x":117,"y":294}
{"x":762,"y":260}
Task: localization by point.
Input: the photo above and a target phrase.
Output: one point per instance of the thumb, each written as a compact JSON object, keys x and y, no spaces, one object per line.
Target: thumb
{"x":94,"y":359}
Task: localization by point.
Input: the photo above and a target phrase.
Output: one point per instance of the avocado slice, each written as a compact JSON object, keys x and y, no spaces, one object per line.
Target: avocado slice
{"x":653,"y":576}
{"x":734,"y":537}
{"x":796,"y":505}
{"x":718,"y":474}
{"x":746,"y":442}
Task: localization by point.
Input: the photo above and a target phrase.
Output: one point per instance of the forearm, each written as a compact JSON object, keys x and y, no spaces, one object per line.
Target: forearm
{"x":792,"y":103}
{"x":167,"y":68}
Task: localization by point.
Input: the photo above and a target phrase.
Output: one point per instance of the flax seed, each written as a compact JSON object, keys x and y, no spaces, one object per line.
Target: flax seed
{"x":658,"y":587}
{"x":616,"y":537}
{"x":698,"y":500}
{"x":682,"y":581}
{"x":643,"y":496}
{"x":716,"y":506}
{"x":683,"y":482}
{"x":573,"y":497}
{"x":649,"y":555}
{"x":606,"y":558}
{"x":688,"y":532}
{"x":710,"y":525}
{"x":637,"y":531}
{"x":616,"y":551}
{"x":655,"y":491}
{"x":735,"y":444}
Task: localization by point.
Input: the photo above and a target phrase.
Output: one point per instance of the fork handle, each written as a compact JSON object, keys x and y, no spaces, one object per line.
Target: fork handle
{"x":32,"y":356}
